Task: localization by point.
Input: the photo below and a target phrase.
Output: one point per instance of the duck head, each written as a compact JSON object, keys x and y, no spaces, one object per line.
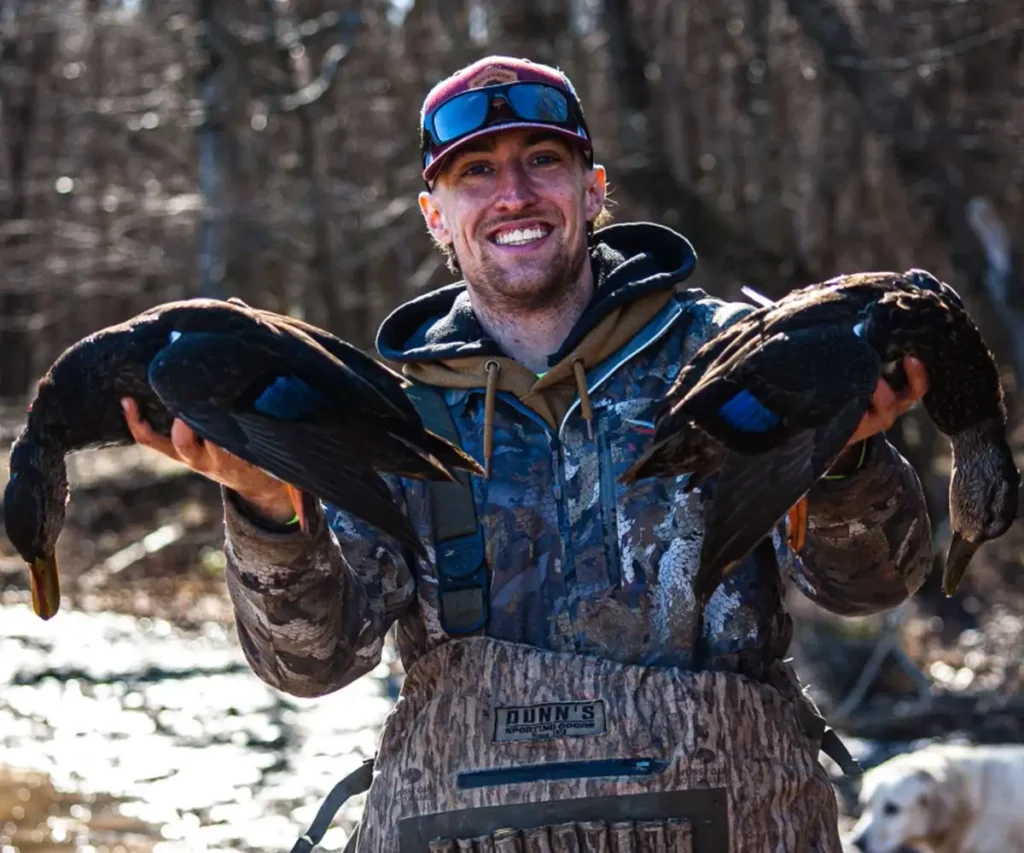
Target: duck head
{"x":926,"y":281}
{"x":983,"y":495}
{"x":34,"y":502}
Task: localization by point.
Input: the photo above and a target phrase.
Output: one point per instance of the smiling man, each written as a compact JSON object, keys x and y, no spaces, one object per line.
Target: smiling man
{"x":552,"y":701}
{"x":514,"y":210}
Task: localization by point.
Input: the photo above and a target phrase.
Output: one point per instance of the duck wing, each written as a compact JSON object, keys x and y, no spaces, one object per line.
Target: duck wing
{"x":389,"y":386}
{"x":383,"y":379}
{"x":782,"y":381}
{"x":679,"y":446}
{"x":763,"y":379}
{"x":301,"y":419}
{"x":753,"y":491}
{"x":283,"y":374}
{"x":329,"y":467}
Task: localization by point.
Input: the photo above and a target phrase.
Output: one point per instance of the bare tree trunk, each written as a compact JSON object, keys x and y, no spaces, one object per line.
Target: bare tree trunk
{"x":764,"y":181}
{"x":649,"y":177}
{"x":454,"y":19}
{"x":97,"y":69}
{"x":927,"y":175}
{"x":282,"y":25}
{"x":25,"y":57}
{"x":219,"y":254}
{"x":627,"y":68}
{"x":529,"y":27}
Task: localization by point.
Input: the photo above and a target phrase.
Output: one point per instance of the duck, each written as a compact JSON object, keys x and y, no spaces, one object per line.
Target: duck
{"x":308,"y":408}
{"x":764,"y":409}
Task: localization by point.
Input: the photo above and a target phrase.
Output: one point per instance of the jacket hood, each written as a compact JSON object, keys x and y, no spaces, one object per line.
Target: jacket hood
{"x":629,"y":261}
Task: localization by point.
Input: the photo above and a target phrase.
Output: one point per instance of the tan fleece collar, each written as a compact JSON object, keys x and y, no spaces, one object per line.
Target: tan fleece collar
{"x":551,"y":394}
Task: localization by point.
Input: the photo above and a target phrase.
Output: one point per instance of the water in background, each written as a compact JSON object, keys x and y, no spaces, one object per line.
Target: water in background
{"x":132,"y":735}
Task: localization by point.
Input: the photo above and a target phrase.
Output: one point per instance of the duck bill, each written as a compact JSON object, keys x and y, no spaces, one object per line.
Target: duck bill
{"x":298,"y":499}
{"x":45,"y":585}
{"x":960,"y":553}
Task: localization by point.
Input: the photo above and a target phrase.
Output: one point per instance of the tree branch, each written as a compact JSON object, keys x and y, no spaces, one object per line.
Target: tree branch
{"x":731,"y":251}
{"x":321,"y":264}
{"x":927,"y":176}
{"x":242,"y":44}
{"x":329,"y":66}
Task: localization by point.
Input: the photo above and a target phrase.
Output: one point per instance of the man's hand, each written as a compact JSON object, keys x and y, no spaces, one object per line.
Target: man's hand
{"x":255,"y":486}
{"x":887,"y":405}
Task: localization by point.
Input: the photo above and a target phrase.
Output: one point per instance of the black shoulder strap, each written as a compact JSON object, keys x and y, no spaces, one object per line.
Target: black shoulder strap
{"x":356,"y":782}
{"x":463,"y":579}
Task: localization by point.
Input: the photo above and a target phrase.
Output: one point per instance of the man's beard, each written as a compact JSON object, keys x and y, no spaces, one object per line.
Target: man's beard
{"x":502,"y":290}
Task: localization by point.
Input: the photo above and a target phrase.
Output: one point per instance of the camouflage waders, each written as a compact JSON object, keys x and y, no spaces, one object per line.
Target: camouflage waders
{"x":500,"y":747}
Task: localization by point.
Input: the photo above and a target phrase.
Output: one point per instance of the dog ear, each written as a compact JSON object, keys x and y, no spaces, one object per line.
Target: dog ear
{"x":929,"y":797}
{"x":943,"y":798}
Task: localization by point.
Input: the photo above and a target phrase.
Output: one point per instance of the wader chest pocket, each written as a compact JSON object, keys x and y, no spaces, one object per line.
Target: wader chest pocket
{"x":689,"y":821}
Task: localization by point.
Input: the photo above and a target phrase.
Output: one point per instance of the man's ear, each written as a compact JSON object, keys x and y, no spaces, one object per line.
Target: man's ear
{"x":595,"y":192}
{"x":434,"y":218}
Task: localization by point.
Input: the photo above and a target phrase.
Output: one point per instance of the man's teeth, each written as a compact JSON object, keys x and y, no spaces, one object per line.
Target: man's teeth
{"x":520,"y":236}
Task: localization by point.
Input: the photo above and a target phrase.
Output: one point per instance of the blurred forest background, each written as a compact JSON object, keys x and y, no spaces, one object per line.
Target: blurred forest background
{"x":268,"y":149}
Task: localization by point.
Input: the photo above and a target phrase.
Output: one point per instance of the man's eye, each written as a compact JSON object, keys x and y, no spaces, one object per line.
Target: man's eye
{"x":546,"y":159}
{"x":475,"y":169}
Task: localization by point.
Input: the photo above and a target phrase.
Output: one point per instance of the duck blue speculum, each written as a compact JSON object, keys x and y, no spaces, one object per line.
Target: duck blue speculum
{"x":745,"y":412}
{"x":288,"y":397}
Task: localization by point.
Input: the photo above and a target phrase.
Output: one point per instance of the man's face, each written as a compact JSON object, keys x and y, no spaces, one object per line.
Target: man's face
{"x":515,"y":206}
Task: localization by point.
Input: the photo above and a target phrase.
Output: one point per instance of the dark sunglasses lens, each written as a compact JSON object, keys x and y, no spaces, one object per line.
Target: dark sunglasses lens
{"x":537,"y":102}
{"x":461,"y":115}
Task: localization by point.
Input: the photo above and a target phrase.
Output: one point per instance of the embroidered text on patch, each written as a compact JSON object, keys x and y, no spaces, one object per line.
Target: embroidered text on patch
{"x":491,"y":75}
{"x":550,"y":720}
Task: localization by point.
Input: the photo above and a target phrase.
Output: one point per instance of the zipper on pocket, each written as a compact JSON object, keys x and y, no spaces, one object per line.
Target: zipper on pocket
{"x":561,"y":770}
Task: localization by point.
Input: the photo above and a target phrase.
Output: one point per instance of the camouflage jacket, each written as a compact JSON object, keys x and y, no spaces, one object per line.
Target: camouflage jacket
{"x":579,"y":562}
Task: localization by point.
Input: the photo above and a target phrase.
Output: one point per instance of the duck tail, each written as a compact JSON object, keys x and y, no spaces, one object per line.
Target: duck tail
{"x":427,"y":456}
{"x":366,"y":496}
{"x":689,"y":450}
{"x":450,"y":455}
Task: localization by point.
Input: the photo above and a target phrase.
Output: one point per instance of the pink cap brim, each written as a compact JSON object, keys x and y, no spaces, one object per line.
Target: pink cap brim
{"x":431,"y":171}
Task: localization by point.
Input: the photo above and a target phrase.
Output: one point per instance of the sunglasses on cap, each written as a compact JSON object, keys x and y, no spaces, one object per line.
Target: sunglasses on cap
{"x":469,"y":111}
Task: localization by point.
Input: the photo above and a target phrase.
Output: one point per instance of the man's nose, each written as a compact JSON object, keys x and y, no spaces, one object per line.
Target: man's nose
{"x":515,"y":190}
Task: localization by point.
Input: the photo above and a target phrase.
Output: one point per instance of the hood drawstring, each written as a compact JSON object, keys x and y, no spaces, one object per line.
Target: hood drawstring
{"x":581,"y":389}
{"x":493,"y":369}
